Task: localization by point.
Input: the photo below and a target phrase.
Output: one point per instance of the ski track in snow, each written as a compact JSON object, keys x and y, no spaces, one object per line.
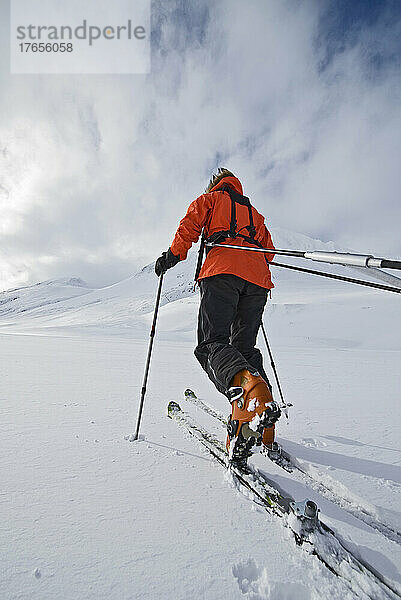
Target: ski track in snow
{"x":88,"y":515}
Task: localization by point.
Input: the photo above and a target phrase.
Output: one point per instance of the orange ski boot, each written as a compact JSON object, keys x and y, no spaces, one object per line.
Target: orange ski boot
{"x":253,"y":412}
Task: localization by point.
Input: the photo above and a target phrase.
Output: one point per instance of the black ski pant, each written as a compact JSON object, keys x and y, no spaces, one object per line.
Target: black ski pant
{"x":230,"y":315}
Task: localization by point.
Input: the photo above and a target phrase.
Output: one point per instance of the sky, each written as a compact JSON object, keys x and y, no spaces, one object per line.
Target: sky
{"x":301,"y":99}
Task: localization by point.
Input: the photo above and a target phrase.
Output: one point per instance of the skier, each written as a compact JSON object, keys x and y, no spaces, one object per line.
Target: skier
{"x":234,"y":286}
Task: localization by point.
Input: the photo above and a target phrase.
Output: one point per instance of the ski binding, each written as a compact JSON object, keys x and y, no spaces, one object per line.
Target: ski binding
{"x":307,"y":514}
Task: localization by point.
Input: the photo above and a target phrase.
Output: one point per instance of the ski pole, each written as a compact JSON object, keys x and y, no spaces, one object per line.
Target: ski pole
{"x":339,"y":258}
{"x":284,"y":404}
{"x":145,"y":377}
{"x":378,"y":286}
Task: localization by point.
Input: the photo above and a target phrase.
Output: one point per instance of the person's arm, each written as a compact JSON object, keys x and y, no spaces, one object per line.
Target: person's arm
{"x":191,"y":225}
{"x":188,"y":233}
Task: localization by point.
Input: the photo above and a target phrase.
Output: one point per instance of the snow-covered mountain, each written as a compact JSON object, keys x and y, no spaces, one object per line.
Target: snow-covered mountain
{"x":73,"y":294}
{"x":297,"y":313}
{"x":39,"y":295}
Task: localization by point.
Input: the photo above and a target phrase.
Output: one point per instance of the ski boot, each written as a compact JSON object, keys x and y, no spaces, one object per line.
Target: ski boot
{"x":253,"y":412}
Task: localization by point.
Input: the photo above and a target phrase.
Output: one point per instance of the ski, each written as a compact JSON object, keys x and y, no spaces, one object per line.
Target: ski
{"x":301,"y":518}
{"x":249,"y":478}
{"x":290,"y":464}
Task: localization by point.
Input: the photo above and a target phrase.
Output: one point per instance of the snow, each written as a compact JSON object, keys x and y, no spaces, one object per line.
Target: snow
{"x":87,"y":514}
{"x":254,"y":424}
{"x":253,"y":403}
{"x":253,"y":581}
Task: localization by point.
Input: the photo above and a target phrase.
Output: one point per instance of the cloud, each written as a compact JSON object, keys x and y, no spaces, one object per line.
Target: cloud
{"x":95,"y":172}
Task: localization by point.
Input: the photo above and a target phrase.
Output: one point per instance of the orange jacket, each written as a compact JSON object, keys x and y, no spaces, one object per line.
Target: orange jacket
{"x":212,"y":211}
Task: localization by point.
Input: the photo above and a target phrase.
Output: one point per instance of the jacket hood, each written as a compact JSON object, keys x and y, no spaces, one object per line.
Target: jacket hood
{"x":231,"y":181}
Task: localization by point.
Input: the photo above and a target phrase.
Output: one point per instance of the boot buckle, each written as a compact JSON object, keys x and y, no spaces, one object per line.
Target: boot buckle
{"x":248,"y":433}
{"x":235,"y":393}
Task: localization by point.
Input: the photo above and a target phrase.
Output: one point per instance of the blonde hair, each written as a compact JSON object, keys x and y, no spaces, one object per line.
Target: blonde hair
{"x":218,"y":176}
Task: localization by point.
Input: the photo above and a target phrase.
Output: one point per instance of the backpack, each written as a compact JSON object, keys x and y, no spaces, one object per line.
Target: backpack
{"x":220,"y":236}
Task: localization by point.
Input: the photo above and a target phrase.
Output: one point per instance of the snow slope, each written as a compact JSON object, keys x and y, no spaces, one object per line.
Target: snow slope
{"x":87,"y":514}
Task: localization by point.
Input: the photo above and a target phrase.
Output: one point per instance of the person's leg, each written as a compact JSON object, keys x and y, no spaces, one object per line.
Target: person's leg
{"x":252,"y":408}
{"x":246,"y":325}
{"x":220,"y":295}
{"x":244,"y":332}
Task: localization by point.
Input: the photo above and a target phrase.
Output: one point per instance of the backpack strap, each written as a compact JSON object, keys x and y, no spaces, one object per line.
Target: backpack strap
{"x":236,"y":198}
{"x":233,"y":220}
{"x":251,"y":226}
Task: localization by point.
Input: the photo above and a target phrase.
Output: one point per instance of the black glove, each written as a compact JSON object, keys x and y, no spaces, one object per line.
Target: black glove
{"x":166,"y":261}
